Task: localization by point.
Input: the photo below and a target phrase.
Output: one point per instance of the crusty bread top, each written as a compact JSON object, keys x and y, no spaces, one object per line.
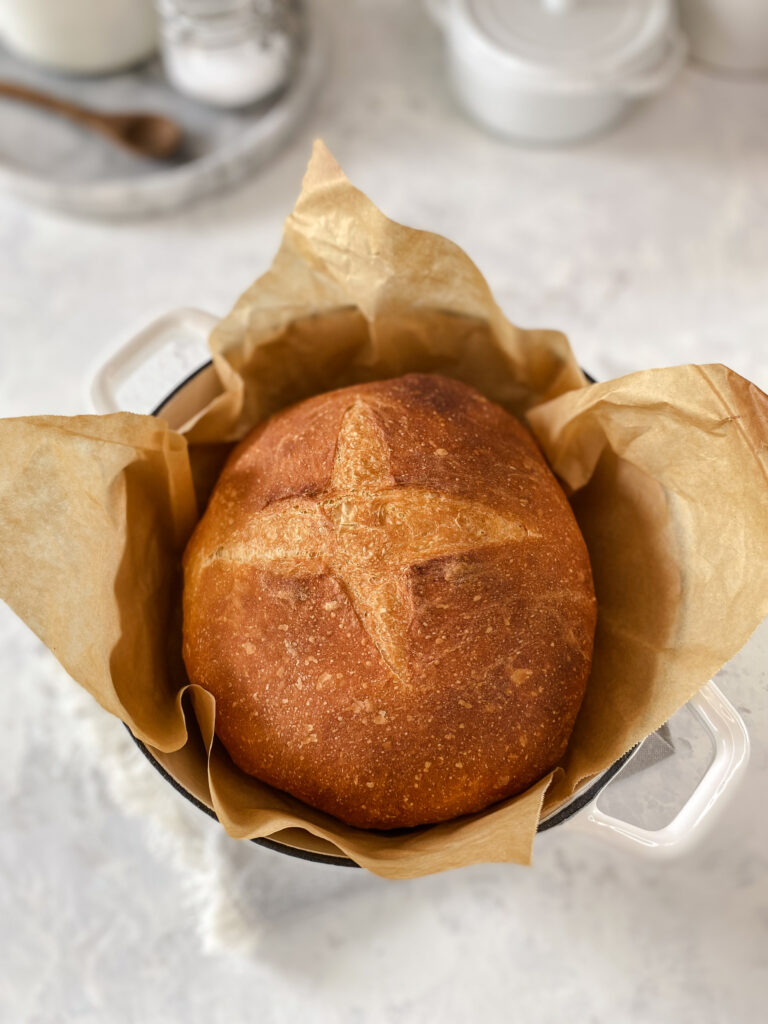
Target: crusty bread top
{"x":391,"y":601}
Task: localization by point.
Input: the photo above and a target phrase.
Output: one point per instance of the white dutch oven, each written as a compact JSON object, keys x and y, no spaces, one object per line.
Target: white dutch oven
{"x":189,"y":329}
{"x":549,"y":71}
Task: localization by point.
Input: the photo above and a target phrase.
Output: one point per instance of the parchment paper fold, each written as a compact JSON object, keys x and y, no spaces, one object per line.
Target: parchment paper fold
{"x":667,"y":471}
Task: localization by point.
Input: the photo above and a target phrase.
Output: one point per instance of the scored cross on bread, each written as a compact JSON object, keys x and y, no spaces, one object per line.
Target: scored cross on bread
{"x":367,"y":532}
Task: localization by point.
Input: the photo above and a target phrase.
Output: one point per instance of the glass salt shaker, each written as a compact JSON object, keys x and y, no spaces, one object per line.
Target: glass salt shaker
{"x":230,"y":53}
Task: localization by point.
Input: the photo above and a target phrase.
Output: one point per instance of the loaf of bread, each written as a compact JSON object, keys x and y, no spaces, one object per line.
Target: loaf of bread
{"x":392,"y":603}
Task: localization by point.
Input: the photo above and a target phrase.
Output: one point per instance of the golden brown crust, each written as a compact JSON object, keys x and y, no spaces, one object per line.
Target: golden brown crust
{"x":391,"y":601}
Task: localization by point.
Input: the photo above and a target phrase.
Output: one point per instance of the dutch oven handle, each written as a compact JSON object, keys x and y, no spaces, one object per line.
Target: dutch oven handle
{"x":731,"y":754}
{"x":193,"y":325}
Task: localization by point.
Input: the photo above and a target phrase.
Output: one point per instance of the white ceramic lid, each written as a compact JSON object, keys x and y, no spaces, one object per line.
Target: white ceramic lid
{"x":568,"y":39}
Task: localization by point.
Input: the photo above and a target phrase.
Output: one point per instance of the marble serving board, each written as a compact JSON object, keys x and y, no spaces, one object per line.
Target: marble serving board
{"x":48,"y":159}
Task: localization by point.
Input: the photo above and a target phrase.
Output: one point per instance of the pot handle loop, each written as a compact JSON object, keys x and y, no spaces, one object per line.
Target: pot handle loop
{"x":731,"y":743}
{"x":193,"y":325}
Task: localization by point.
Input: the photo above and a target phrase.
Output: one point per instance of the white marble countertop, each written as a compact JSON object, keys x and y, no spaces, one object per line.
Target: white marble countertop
{"x":648,"y":247}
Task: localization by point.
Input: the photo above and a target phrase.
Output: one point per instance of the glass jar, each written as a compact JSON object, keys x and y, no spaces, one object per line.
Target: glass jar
{"x":230,"y":53}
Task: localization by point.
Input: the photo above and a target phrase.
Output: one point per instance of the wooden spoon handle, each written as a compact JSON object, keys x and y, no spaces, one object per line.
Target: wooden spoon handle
{"x":42,"y":99}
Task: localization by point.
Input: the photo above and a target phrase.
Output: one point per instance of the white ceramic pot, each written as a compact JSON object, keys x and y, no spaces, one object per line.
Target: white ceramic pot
{"x":556,"y":71}
{"x":188,"y":329}
{"x":80,"y":36}
{"x":731,"y":35}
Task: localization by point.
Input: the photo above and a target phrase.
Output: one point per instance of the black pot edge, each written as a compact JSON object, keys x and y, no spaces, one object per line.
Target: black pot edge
{"x":558,"y":818}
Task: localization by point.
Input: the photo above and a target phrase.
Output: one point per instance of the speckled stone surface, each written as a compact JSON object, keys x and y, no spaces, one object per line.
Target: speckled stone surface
{"x":121,"y":903}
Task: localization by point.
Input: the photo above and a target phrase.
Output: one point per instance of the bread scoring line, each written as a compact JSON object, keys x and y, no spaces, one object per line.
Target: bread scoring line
{"x":364,"y":531}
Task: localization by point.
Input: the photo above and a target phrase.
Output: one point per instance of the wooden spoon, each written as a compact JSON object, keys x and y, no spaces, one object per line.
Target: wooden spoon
{"x":146,"y":134}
